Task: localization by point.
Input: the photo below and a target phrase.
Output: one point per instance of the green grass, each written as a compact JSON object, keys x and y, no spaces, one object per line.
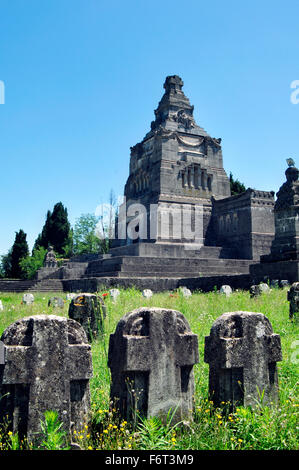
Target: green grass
{"x":267,"y":428}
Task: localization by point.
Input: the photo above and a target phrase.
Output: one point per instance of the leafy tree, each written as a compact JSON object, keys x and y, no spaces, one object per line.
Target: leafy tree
{"x":56,"y":231}
{"x":31,"y":264}
{"x":85,"y":239}
{"x":19,"y":251}
{"x":235,"y":186}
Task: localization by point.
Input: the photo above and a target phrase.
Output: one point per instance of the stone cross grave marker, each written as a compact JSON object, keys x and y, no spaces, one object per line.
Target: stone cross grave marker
{"x":242,"y":352}
{"x":47,"y":367}
{"x":151,"y":357}
{"x":89,"y":310}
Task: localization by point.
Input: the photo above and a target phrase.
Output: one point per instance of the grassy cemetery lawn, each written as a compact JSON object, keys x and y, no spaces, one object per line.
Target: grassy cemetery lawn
{"x":265,"y":428}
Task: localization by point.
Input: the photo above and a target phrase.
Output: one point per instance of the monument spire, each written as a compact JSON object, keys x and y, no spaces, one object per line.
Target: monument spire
{"x":174,"y":105}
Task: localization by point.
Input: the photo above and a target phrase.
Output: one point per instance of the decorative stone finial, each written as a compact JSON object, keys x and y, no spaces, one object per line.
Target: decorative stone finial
{"x":173,"y":83}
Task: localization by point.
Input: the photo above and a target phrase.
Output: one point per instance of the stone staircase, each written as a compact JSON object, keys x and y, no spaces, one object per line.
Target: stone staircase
{"x":132,"y":266}
{"x":45,"y":285}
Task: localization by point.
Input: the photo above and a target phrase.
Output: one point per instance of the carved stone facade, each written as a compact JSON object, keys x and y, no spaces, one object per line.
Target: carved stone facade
{"x":283,"y":260}
{"x":179,"y":224}
{"x":177,"y":169}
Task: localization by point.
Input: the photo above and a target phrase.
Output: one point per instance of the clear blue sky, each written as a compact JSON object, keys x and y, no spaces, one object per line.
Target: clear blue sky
{"x":83,"y":77}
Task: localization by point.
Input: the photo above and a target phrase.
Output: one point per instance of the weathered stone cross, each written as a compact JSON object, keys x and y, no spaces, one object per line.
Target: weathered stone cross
{"x":242,"y":352}
{"x":156,"y":350}
{"x":47,"y":367}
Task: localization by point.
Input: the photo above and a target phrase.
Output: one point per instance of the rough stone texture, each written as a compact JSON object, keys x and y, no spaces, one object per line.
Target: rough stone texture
{"x":178,"y":163}
{"x":293,"y":298}
{"x":47,"y":367}
{"x":242,"y":352}
{"x":28,"y":299}
{"x":56,"y":302}
{"x":89,"y":310}
{"x":185,"y":291}
{"x":284,"y":283}
{"x":114,"y":293}
{"x":274,"y":283}
{"x":147,"y":293}
{"x":179,"y":166}
{"x":226,"y":290}
{"x":286,"y":211}
{"x":153,"y":352}
{"x":245,"y":223}
{"x":283,"y":260}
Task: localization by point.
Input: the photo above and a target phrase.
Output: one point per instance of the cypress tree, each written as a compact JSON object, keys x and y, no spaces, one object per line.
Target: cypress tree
{"x":56,"y":231}
{"x":59,"y":229}
{"x":19,"y":251}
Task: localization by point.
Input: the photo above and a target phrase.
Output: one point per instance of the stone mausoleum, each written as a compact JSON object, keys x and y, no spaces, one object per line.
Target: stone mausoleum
{"x":179,"y":223}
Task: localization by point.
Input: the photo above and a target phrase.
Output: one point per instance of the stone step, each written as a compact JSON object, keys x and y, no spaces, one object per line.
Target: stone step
{"x":47,"y":285}
{"x":15,"y":285}
{"x":129,"y":263}
{"x":166,"y":273}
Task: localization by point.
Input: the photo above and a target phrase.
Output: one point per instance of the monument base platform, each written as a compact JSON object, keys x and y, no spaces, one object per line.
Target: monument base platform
{"x":280,"y":270}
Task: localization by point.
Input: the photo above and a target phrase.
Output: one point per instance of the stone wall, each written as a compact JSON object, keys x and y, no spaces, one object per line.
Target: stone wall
{"x":245,"y":222}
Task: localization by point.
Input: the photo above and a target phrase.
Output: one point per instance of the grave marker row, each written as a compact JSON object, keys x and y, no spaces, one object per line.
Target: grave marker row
{"x":45,"y":364}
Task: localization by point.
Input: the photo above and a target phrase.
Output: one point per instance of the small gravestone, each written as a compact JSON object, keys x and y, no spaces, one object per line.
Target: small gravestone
{"x":56,"y":302}
{"x":242,"y":352}
{"x":147,"y":293}
{"x":47,"y":366}
{"x":151,"y":357}
{"x":1,"y":306}
{"x":185,"y":291}
{"x":259,"y":289}
{"x":226,"y":290}
{"x":293,"y":298}
{"x":70,"y":296}
{"x":89,"y":310}
{"x":28,"y":299}
{"x":114,"y":293}
{"x":284,"y":283}
{"x":264,"y":288}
